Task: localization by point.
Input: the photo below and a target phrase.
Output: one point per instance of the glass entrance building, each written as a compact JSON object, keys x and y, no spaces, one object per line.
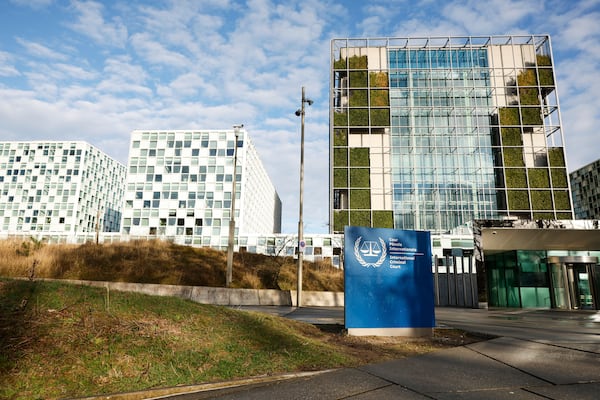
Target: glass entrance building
{"x":431,"y":133}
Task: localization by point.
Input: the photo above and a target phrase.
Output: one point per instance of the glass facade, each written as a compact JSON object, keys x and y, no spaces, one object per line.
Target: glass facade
{"x":431,"y":133}
{"x":543,"y":279}
{"x":441,"y":148}
{"x":585,"y":185}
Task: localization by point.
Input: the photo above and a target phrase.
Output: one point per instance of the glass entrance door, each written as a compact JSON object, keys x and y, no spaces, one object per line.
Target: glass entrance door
{"x":580,"y":288}
{"x":575,"y":282}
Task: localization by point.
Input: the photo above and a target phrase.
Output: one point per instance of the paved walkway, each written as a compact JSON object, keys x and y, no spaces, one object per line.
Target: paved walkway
{"x":537,"y":355}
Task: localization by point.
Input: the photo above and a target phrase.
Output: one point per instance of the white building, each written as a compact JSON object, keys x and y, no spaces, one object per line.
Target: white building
{"x":63,"y":187}
{"x":179,"y":184}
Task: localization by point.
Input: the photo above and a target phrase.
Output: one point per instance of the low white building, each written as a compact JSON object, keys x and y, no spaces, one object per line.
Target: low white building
{"x":180,"y":185}
{"x":64,"y":187}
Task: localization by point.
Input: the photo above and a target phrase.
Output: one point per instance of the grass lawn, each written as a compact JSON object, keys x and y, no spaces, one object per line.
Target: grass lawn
{"x":59,"y":340}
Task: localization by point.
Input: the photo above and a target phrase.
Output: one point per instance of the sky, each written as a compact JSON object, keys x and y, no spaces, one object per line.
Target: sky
{"x":97,"y":70}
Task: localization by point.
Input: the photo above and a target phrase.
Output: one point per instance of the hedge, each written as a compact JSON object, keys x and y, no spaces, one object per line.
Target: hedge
{"x":340,"y":220}
{"x":559,"y":177}
{"x":556,"y":156}
{"x":539,"y":178}
{"x":513,"y":157}
{"x":380,"y":98}
{"x":360,"y":199}
{"x":340,"y":157}
{"x":359,"y":117}
{"x":541,"y":200}
{"x":360,"y":178}
{"x":509,"y":116}
{"x":383,"y":219}
{"x":511,"y":137}
{"x":340,"y":119}
{"x":357,"y":62}
{"x":380,"y":117}
{"x":516,"y":178}
{"x":358,"y":98}
{"x":561,"y":200}
{"x":379,"y":79}
{"x":360,"y":218}
{"x":359,"y":157}
{"x":340,"y":177}
{"x":358,"y":79}
{"x":340,"y":137}
{"x":518,"y":200}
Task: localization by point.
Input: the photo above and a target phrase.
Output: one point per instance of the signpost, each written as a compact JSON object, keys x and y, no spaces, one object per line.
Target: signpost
{"x":388,"y":282}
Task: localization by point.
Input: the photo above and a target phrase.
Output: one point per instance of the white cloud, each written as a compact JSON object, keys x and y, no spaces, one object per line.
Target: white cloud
{"x":40,"y":51}
{"x":7,"y":68}
{"x":34,"y":4}
{"x":90,"y":22}
{"x":156,"y":53}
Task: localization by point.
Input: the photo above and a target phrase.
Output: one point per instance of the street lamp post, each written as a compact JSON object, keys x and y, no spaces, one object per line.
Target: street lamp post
{"x":229,"y":274}
{"x":300,"y":113}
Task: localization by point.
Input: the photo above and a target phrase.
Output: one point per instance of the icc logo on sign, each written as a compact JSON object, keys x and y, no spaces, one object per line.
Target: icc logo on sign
{"x":370,"y":253}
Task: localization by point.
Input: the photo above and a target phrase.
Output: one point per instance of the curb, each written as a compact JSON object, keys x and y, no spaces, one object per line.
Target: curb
{"x":155,"y":394}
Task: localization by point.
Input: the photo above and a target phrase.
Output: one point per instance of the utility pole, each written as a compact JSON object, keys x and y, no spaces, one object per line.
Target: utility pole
{"x":229,"y":274}
{"x":301,"y":243}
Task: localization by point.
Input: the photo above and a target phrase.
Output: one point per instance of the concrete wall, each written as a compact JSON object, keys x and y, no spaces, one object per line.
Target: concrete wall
{"x":223,"y":296}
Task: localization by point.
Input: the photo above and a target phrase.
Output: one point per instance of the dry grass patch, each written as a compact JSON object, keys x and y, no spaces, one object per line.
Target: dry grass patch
{"x":159,"y":262}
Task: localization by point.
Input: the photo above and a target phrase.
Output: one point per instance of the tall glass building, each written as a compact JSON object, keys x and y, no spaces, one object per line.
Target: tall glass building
{"x":430,"y":133}
{"x":180,"y":185}
{"x":585,"y":187}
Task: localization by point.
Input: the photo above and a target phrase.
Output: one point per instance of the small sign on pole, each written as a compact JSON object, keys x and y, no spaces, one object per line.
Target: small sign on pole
{"x":302,"y":246}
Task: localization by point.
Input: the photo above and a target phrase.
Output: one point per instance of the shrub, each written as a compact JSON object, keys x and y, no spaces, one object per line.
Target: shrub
{"x":359,"y":117}
{"x":358,"y":98}
{"x":357,"y":62}
{"x":359,"y":157}
{"x":340,"y":220}
{"x":561,"y":200}
{"x":380,"y":98}
{"x":359,"y":178}
{"x":340,"y":119}
{"x":556,"y":156}
{"x":509,"y":116}
{"x":559,"y":177}
{"x":360,"y":218}
{"x":340,"y":137}
{"x":380,"y":117}
{"x":512,"y":137}
{"x":538,"y":178}
{"x":513,"y":157}
{"x":358,"y":79}
{"x":360,"y":199}
{"x":340,"y":177}
{"x":340,"y":157}
{"x":383,"y":219}
{"x":541,"y":200}
{"x":339,"y":64}
{"x":516,"y":178}
{"x":518,"y":200}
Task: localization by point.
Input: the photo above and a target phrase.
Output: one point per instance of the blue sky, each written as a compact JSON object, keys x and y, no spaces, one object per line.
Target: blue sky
{"x":95,"y":71}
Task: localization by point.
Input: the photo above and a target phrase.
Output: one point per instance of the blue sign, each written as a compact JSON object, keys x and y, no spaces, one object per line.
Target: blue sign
{"x":388,"y":281}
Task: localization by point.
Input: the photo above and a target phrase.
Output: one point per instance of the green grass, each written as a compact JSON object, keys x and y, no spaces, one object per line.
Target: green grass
{"x":60,"y":340}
